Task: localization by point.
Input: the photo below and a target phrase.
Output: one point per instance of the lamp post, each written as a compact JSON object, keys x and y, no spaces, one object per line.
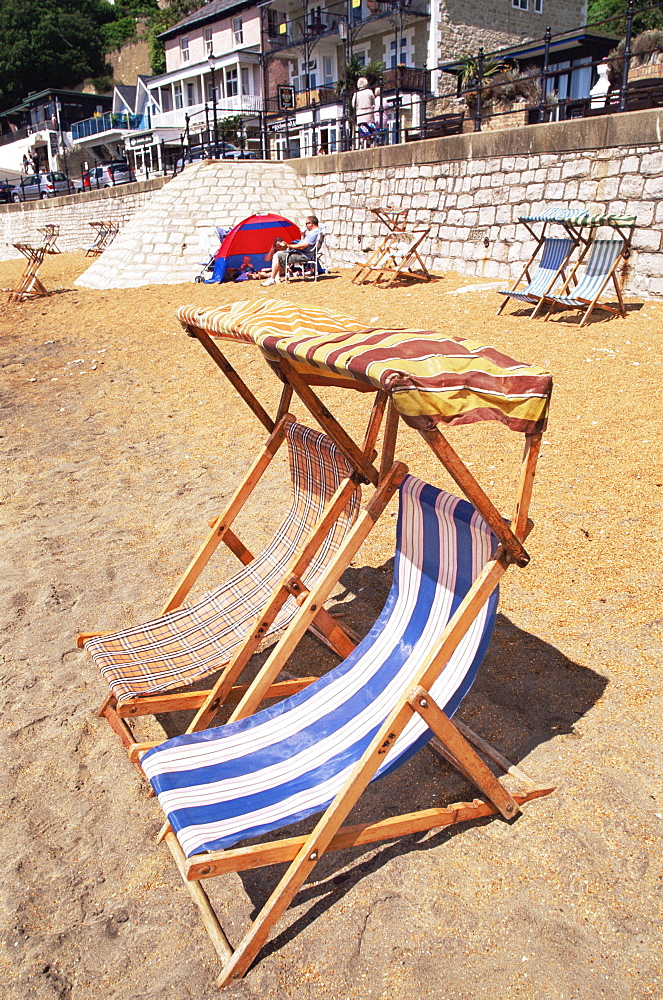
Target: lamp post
{"x":210,"y":61}
{"x":343,"y":35}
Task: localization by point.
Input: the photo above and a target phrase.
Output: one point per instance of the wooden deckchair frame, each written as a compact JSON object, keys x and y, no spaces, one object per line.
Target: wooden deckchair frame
{"x":106,"y":232}
{"x":304,"y":852}
{"x":593,"y":303}
{"x":29,"y":285}
{"x":382,"y":259}
{"x":383,"y":263}
{"x":453,"y":740}
{"x":312,"y":615}
{"x":575,"y":232}
{"x":525,"y":275}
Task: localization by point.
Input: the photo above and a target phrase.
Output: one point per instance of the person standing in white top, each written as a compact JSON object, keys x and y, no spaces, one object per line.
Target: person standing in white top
{"x":363,"y":101}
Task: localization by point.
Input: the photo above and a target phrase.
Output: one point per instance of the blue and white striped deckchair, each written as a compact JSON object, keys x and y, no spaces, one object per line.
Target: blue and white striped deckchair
{"x":601,"y":267}
{"x":555,"y":256}
{"x":294,"y":759}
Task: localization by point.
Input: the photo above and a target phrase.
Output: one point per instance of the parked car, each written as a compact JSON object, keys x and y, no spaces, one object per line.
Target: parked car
{"x":35,"y":186}
{"x":226,"y":151}
{"x":230,"y":152}
{"x":5,"y":191}
{"x":106,"y":175}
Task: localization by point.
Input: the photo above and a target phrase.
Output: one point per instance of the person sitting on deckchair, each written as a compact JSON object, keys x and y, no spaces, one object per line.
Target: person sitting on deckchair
{"x":305,"y":250}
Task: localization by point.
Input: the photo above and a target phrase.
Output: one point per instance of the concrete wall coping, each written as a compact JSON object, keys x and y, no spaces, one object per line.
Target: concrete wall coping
{"x":103,"y":194}
{"x":632,"y":129}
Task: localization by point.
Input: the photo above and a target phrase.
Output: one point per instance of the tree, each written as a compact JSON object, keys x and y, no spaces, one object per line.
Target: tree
{"x":603,"y":10}
{"x":128,"y":15}
{"x":49,"y":43}
{"x":161,"y":20}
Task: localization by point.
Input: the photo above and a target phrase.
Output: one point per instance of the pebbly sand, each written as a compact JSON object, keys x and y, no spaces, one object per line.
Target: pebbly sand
{"x":120,"y":440}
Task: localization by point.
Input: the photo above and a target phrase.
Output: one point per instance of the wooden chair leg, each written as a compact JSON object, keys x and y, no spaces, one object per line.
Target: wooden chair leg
{"x":471,"y":764}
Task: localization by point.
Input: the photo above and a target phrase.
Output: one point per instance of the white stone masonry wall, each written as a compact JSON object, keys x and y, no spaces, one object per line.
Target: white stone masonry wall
{"x":169,"y":239}
{"x":20,"y":224}
{"x":468,"y":201}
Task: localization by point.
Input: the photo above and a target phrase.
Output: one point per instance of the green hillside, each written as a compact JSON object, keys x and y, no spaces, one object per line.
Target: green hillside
{"x":62,"y":43}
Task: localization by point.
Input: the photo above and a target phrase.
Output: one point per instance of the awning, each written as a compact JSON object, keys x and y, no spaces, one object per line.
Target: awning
{"x":431,"y":378}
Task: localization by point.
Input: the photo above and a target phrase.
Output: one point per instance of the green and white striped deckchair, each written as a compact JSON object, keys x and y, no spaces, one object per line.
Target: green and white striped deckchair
{"x":604,"y":259}
{"x":555,"y":257}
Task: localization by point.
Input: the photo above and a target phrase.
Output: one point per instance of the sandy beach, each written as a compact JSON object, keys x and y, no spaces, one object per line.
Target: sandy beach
{"x":120,"y":440}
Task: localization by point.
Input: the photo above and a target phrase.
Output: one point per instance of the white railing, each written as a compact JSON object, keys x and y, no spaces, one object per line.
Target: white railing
{"x":226,"y":106}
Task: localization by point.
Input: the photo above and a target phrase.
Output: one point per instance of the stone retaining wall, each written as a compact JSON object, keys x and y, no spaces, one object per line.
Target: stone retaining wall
{"x":471,"y":189}
{"x":19,"y":223}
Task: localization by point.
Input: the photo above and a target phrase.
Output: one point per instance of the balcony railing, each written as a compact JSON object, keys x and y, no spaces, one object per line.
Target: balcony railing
{"x":320,"y":23}
{"x":226,"y":106}
{"x":108,"y":122}
{"x":20,"y":133}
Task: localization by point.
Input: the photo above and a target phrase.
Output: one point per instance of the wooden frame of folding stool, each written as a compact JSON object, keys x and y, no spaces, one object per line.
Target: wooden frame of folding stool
{"x":455,"y":741}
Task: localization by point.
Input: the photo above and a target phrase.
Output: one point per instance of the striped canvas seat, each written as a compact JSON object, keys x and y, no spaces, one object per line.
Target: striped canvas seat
{"x":556,"y":252}
{"x":193,"y":641}
{"x":290,"y":760}
{"x":601,"y":268}
{"x":597,"y":273}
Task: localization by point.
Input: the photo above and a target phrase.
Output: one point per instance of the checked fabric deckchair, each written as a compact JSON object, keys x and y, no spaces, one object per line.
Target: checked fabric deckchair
{"x":227,"y":625}
{"x":397,"y":254}
{"x":318,"y":750}
{"x":551,"y":267}
{"x":602,"y":264}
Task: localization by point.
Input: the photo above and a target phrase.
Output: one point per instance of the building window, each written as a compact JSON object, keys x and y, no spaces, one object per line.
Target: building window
{"x":272,"y":22}
{"x":231,"y":82}
{"x":246,"y":80}
{"x":207,"y":36}
{"x":308,"y":75}
{"x":329,"y":70}
{"x":184,"y":48}
{"x":238,"y":31}
{"x":178,"y":95}
{"x":393,"y":57}
{"x":538,"y":6}
{"x":211,"y":95}
{"x":191,"y":98}
{"x":520,"y":4}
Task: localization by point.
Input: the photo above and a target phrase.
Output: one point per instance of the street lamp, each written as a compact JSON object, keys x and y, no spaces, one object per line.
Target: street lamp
{"x":343,"y":35}
{"x":210,"y":61}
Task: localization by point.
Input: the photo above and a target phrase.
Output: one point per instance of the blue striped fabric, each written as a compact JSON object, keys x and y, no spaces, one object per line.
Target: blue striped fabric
{"x":284,"y":763}
{"x":599,"y":267}
{"x":555,"y":253}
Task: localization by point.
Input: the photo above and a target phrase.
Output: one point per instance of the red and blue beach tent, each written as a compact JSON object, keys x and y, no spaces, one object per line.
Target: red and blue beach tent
{"x":252,"y":238}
